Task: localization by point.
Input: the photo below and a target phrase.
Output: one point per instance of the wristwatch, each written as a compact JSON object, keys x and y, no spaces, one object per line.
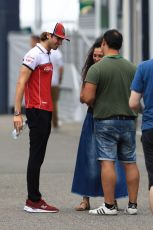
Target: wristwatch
{"x":17,"y":113}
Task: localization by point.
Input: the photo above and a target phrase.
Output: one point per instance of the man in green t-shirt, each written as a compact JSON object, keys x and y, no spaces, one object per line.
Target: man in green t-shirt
{"x":107,"y":89}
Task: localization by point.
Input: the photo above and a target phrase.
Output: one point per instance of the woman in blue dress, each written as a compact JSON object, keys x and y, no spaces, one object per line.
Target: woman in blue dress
{"x":87,"y":176}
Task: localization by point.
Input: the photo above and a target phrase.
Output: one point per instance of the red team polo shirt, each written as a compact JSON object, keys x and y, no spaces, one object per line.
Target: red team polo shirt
{"x":38,"y":87}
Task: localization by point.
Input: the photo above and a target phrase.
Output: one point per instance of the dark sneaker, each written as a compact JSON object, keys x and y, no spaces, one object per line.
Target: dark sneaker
{"x":103,"y":210}
{"x":131,"y":209}
{"x":39,"y":206}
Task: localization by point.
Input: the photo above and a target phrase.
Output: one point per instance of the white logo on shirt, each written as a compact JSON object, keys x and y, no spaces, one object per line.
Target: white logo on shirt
{"x":29,"y":59}
{"x":48,"y":68}
{"x":44,"y":102}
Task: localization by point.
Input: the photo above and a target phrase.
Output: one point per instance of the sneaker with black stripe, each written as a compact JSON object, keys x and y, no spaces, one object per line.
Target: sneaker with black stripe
{"x":131,"y":209}
{"x":103,"y":210}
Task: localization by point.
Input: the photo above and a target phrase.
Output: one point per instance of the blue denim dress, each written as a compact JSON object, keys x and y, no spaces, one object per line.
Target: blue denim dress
{"x":87,"y":179}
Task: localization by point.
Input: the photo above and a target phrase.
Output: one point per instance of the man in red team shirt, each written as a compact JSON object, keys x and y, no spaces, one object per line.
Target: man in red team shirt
{"x":35,"y":82}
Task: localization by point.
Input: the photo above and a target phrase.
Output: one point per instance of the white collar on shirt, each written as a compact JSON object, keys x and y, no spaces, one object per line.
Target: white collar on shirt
{"x":42,"y":48}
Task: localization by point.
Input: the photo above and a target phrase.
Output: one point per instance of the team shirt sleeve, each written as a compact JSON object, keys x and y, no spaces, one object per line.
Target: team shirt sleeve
{"x":31,"y":59}
{"x":137,"y":83}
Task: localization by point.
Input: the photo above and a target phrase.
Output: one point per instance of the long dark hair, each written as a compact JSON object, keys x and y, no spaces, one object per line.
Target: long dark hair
{"x":89,"y":60}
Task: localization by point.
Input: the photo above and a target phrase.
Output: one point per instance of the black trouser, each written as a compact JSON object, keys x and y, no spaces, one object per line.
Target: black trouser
{"x":147,"y":143}
{"x":39,"y":122}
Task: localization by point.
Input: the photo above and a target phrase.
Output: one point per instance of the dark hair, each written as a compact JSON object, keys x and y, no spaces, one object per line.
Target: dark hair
{"x":113,"y":38}
{"x":43,"y":36}
{"x":89,"y":60}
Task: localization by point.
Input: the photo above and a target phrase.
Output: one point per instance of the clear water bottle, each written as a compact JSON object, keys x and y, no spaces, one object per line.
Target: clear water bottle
{"x":16,"y":134}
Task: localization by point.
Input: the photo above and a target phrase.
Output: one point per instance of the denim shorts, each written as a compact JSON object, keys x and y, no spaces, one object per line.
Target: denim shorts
{"x":115,"y":139}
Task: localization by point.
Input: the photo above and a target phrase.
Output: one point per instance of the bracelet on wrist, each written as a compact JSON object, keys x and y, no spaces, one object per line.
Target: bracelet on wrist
{"x":17,"y":113}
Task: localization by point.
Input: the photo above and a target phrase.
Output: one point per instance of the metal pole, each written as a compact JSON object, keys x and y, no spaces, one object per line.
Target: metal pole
{"x":136,"y":38}
{"x":98,"y":17}
{"x":112,"y":14}
{"x":38,"y":14}
{"x":126,"y":29}
{"x":145,"y":29}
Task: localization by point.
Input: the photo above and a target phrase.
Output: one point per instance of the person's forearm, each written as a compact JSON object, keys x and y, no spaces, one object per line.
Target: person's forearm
{"x":61,"y":70}
{"x":87,"y":100}
{"x":18,"y":120}
{"x":135,"y":108}
{"x":87,"y":94}
{"x":134,"y":101}
{"x":81,"y":93}
{"x":19,"y":97}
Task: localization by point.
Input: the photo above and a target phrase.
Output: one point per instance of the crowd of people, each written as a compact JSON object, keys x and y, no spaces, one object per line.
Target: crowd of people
{"x":112,"y":88}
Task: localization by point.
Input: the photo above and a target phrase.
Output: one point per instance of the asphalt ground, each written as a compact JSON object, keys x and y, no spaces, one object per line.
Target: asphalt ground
{"x":55,"y":185}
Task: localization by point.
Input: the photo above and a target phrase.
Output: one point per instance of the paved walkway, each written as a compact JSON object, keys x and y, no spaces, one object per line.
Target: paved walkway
{"x":56,"y":179}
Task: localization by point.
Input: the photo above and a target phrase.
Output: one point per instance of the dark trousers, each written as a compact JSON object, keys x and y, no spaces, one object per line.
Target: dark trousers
{"x":39,"y":122}
{"x":147,"y":143}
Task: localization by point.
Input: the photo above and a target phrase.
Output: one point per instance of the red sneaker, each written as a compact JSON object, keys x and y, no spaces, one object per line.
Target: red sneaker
{"x":39,"y":206}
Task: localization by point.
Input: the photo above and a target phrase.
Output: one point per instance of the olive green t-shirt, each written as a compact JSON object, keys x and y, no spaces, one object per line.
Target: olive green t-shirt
{"x":113,"y":76}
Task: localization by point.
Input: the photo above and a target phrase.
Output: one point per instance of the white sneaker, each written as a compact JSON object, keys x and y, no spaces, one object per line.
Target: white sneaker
{"x":131,"y":209}
{"x":103,"y":210}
